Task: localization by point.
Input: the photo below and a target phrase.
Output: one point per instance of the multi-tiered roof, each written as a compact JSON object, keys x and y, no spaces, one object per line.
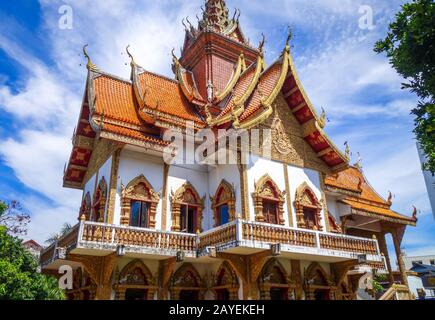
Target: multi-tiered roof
{"x":221,"y":81}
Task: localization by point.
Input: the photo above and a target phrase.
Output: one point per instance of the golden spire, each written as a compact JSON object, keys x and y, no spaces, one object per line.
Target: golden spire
{"x":90,"y":66}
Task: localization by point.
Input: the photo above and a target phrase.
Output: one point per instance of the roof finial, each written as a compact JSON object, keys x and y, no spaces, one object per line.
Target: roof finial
{"x":90,"y":66}
{"x":238,"y":16}
{"x":132,"y":63}
{"x":322,"y":120}
{"x":262,"y":42}
{"x":358,"y":163}
{"x":347,"y":152}
{"x":289,"y":37}
{"x":184,"y":24}
{"x":190,"y":24}
{"x":414,"y":213}
{"x":390,"y":198}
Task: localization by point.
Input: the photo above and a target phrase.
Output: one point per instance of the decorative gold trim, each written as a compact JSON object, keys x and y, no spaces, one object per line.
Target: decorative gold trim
{"x":186,"y":195}
{"x":243,"y":173}
{"x":240,"y":67}
{"x":224,"y":195}
{"x":266,"y":103}
{"x":139,"y":189}
{"x":165,"y":196}
{"x":288,"y":195}
{"x":239,"y":102}
{"x":113,"y":186}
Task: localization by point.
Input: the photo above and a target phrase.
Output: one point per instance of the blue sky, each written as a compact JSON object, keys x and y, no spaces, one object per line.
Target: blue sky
{"x":42,"y":79}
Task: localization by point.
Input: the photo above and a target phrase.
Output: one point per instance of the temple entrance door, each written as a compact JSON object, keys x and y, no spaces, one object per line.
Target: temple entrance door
{"x":188,"y":219}
{"x":222,"y":295}
{"x":186,"y":295}
{"x":136,"y":294}
{"x":278,"y":294}
{"x":321,"y":295}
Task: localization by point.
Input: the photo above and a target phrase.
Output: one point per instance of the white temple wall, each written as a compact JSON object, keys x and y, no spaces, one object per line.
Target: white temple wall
{"x":90,"y":187}
{"x":133,"y":164}
{"x":333,"y":207}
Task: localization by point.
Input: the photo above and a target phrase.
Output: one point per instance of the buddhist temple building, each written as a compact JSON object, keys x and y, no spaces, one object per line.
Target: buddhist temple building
{"x":303,"y":223}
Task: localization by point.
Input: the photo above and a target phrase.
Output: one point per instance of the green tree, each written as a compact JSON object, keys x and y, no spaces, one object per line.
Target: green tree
{"x":19,"y":279}
{"x":410,"y":47}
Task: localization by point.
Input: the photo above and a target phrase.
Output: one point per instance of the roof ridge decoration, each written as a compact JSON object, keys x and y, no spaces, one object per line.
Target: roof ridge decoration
{"x":90,"y":66}
{"x":239,"y":69}
{"x":191,"y":94}
{"x":266,"y":102}
{"x":239,"y":102}
{"x":138,"y":92}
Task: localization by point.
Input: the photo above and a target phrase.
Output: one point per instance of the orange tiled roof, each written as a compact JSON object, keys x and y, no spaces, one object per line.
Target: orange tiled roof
{"x":131,"y":133}
{"x":115,"y":100}
{"x":352,"y":179}
{"x":375,"y":209}
{"x":365,"y":198}
{"x":167,"y":95}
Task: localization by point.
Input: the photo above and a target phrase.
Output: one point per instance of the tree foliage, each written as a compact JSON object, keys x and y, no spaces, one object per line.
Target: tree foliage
{"x":19,"y":279}
{"x":410,"y":47}
{"x":14,"y":218}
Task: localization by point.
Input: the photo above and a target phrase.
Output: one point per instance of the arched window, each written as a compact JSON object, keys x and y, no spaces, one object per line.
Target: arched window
{"x":226,"y":285}
{"x":99,"y":203}
{"x":274,"y":282}
{"x":135,"y":282}
{"x":186,"y":284}
{"x":318,"y":285}
{"x":139,"y":204}
{"x":268,"y":201}
{"x":187,"y":207}
{"x":224,"y":204}
{"x":85,"y":209}
{"x":308,"y":208}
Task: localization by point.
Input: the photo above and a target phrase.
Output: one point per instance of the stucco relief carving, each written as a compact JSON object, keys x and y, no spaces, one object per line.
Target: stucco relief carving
{"x":307,"y":199}
{"x":267,"y":189}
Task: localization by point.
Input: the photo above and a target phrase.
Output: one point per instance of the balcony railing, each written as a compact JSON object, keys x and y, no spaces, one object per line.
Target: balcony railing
{"x":234,"y":235}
